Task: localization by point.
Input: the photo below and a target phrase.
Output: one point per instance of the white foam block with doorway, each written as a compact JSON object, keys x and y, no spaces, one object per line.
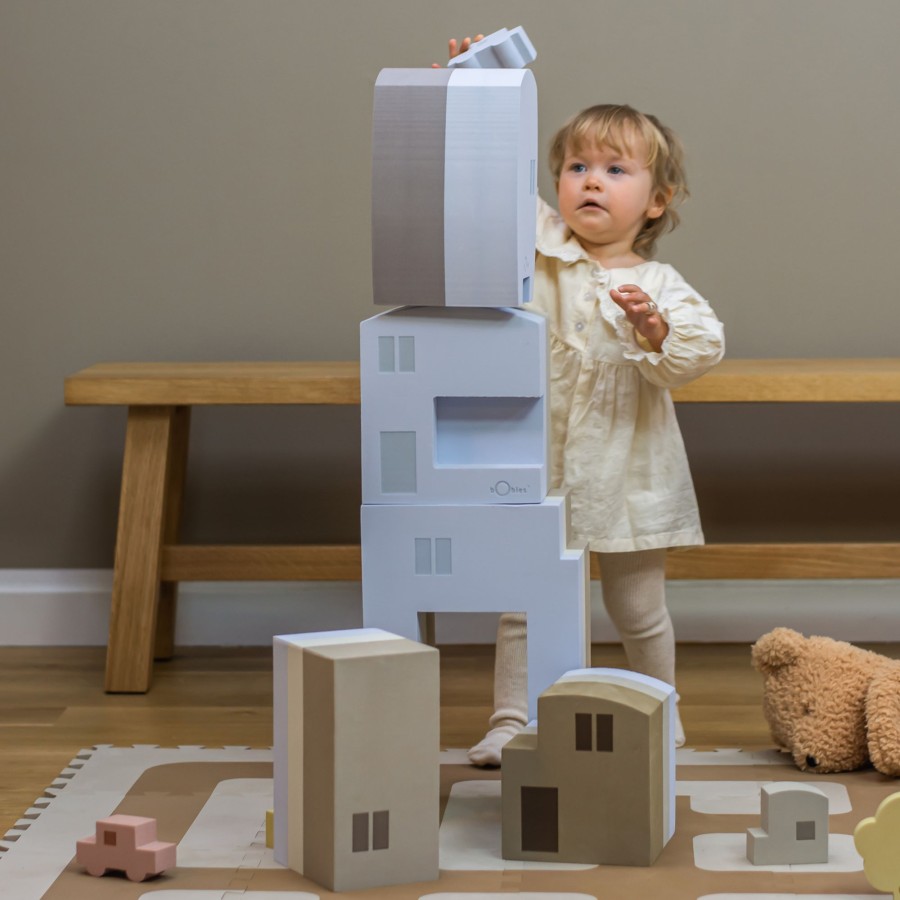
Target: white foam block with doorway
{"x":454,"y":406}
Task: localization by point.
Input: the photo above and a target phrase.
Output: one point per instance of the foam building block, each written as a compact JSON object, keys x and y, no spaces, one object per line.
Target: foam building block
{"x":356,"y":726}
{"x":794,"y":826}
{"x":127,"y":844}
{"x":454,"y":406}
{"x":454,"y":187}
{"x":594,"y":781}
{"x":420,"y":559}
{"x":503,"y":49}
{"x":877,"y":839}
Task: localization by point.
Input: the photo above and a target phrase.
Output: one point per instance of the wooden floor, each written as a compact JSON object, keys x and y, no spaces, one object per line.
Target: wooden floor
{"x":52,"y":705}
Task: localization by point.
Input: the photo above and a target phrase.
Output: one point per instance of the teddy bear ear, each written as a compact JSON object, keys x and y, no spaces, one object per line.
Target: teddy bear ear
{"x":780,"y":647}
{"x":883,"y":721}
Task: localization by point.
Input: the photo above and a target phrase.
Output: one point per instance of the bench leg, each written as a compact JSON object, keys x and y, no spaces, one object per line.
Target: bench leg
{"x":142,"y":520}
{"x":175,"y":479}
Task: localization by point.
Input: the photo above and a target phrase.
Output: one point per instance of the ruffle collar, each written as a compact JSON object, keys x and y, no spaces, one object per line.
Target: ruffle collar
{"x":556,"y":239}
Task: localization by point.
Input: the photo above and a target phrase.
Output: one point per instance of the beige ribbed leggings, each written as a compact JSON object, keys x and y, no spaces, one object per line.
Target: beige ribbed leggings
{"x":634,"y":595}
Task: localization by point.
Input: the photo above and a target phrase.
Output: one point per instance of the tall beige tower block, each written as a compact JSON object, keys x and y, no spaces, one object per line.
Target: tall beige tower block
{"x":357,"y":738}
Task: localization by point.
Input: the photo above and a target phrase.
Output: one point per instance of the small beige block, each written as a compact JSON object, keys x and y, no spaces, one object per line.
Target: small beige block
{"x":794,"y":826}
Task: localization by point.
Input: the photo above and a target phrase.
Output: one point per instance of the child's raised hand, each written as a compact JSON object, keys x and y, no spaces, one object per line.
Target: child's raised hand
{"x":642,"y":312}
{"x":454,"y":47}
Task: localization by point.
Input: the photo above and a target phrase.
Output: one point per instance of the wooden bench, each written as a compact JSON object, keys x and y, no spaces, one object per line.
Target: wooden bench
{"x":150,"y":561}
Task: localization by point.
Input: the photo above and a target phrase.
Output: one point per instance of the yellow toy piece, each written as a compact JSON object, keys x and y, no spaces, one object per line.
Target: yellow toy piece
{"x":877,"y":840}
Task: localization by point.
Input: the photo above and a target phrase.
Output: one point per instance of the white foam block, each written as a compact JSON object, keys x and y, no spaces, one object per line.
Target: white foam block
{"x":287,"y":714}
{"x":454,"y":187}
{"x":454,"y":406}
{"x":418,"y":559}
{"x":663,"y":692}
{"x":502,"y":49}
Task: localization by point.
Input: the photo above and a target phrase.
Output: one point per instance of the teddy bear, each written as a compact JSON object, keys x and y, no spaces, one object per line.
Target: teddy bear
{"x":834,"y":707}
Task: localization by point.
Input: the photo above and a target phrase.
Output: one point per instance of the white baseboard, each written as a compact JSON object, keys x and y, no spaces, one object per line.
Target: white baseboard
{"x":70,"y":607}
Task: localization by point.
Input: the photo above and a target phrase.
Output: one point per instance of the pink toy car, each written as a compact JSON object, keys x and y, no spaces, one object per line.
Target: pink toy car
{"x":128,"y":844}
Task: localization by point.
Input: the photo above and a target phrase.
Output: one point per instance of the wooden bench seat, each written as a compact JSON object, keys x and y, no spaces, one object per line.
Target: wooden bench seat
{"x":150,"y":561}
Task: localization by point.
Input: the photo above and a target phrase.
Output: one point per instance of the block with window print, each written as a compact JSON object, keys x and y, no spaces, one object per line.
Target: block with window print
{"x":356,"y":722}
{"x":481,"y":559}
{"x":594,"y":780}
{"x":454,"y":406}
{"x":794,"y":827}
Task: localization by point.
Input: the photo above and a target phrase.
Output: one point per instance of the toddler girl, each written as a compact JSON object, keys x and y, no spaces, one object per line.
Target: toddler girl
{"x":623,"y":329}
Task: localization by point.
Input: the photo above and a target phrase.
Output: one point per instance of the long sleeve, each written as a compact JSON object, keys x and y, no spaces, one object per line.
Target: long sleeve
{"x":696,"y":339}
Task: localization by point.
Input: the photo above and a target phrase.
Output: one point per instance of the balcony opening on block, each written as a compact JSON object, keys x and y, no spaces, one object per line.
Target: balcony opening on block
{"x":489,"y":431}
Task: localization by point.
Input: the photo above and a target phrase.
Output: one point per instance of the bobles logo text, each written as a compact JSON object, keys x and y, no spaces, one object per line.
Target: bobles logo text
{"x":504,"y":488}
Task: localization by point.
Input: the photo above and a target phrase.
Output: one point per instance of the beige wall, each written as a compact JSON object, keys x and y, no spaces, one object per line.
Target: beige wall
{"x":189,"y":179}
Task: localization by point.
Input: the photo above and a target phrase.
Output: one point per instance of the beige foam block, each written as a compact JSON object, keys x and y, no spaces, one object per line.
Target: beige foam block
{"x":593,"y":783}
{"x":515,"y":558}
{"x":454,"y":187}
{"x":370,"y":771}
{"x":727,"y":852}
{"x":454,"y":406}
{"x":288,"y":728}
{"x":794,"y":826}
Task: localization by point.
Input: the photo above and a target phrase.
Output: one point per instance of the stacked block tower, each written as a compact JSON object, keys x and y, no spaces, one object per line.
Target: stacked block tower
{"x":456,"y":515}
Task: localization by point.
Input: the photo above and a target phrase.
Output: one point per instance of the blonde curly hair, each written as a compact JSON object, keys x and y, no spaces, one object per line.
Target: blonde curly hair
{"x":624,"y":129}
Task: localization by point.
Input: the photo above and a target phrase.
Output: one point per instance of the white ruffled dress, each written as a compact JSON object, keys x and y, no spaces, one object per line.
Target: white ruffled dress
{"x":616,"y":445}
